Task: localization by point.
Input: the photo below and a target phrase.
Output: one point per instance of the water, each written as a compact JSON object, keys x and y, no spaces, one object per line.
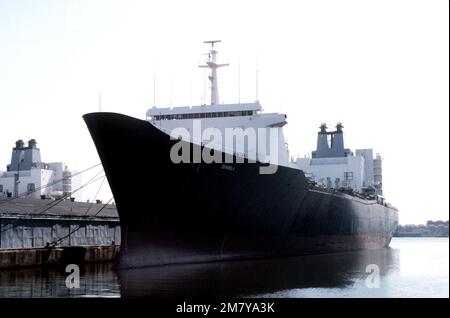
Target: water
{"x":411,"y":267}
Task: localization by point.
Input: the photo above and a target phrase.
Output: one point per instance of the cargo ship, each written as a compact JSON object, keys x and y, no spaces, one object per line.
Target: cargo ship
{"x":215,"y":182}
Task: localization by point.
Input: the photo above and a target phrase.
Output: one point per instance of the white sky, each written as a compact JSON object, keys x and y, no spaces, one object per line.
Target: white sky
{"x":380,"y":67}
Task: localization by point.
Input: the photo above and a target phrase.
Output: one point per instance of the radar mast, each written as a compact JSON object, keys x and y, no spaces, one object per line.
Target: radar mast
{"x":211,"y":63}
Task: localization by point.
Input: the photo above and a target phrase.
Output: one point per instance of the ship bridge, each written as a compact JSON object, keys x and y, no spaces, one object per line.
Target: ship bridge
{"x":204,"y":111}
{"x":268,"y":141}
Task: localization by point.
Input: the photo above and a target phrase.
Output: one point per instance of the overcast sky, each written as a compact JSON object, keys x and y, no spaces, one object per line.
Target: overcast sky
{"x":380,"y":67}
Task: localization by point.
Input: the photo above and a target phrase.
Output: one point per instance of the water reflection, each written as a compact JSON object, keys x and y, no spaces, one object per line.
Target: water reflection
{"x":253,"y":278}
{"x":96,"y":280}
{"x":410,"y":268}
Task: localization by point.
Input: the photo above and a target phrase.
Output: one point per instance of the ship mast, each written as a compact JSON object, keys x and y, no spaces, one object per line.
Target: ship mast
{"x":211,"y":63}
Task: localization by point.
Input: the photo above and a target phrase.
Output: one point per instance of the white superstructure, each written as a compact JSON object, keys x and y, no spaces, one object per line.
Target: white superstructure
{"x":335,"y":167}
{"x":256,"y":135}
{"x":27,"y":175}
{"x":331,"y":165}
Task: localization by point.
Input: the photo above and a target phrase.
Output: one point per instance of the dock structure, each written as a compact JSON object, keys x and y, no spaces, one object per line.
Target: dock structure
{"x":34,"y":232}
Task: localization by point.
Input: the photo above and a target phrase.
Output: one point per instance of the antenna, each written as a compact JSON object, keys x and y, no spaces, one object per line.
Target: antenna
{"x":212,"y":43}
{"x":190,"y":91}
{"x":281,"y":103}
{"x":203,"y":98}
{"x":256,"y":77}
{"x":99,"y":101}
{"x":211,"y":63}
{"x":171,"y":90}
{"x":154,"y":84}
{"x":239,"y":80}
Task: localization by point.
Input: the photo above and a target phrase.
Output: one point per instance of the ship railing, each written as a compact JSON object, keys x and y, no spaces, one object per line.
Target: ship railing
{"x":322,"y":188}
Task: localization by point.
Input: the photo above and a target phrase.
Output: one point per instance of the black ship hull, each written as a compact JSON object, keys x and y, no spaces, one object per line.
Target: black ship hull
{"x":198,"y":212}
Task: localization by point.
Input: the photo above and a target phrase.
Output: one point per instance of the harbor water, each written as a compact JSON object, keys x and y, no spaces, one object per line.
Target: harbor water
{"x":411,"y":267}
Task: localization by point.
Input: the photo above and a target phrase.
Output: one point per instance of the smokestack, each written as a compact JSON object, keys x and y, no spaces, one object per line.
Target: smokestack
{"x":338,"y":141}
{"x":19,"y":144}
{"x":322,"y":141}
{"x":32,"y":143}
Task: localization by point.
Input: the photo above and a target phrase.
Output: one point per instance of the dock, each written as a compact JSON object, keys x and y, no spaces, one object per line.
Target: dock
{"x":35,"y":232}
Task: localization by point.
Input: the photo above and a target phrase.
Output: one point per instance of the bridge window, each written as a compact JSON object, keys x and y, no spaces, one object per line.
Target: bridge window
{"x":204,"y":115}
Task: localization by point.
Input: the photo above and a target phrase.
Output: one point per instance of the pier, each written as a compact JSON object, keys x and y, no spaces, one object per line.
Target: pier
{"x":35,"y":232}
{"x":57,"y":256}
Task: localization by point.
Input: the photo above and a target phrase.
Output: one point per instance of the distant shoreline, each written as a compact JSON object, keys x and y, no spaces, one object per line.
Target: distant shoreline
{"x":417,"y":235}
{"x":431,"y":229}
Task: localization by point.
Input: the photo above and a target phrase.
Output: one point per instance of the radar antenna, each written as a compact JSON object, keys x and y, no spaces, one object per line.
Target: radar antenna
{"x":211,"y":63}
